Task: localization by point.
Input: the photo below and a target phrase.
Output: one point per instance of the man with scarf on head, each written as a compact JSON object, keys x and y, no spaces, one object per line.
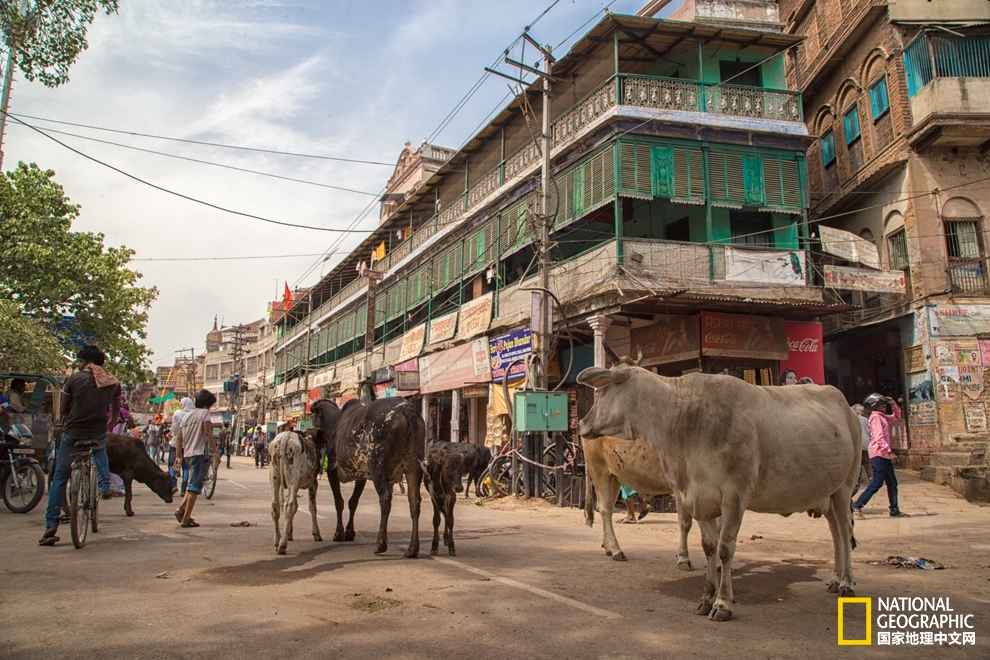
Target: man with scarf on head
{"x":86,"y":397}
{"x":185,"y":409}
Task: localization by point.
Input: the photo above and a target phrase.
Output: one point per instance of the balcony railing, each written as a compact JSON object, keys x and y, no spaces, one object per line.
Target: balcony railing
{"x":933,"y":56}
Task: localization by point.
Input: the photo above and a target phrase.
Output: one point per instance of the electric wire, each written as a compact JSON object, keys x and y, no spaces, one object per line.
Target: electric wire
{"x":257,"y":256}
{"x":203,"y":143}
{"x":206,"y":162}
{"x":184,"y":196}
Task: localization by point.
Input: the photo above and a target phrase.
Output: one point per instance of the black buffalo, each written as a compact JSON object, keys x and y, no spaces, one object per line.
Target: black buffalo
{"x":476,"y":461}
{"x":383,"y":441}
{"x":444,"y":472}
{"x":130,"y":461}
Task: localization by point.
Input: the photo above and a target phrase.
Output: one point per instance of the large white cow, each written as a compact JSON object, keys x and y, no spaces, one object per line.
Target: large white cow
{"x":727,"y":446}
{"x":295,"y":465}
{"x":611,"y":462}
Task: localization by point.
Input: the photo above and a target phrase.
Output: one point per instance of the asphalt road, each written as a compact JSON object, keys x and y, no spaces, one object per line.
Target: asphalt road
{"x":529,"y":581}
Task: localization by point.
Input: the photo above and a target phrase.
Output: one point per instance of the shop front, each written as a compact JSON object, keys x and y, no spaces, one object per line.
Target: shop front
{"x":761,"y":350}
{"x":442,"y":378}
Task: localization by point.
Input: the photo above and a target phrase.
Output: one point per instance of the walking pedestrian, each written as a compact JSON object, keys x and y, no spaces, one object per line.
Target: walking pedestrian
{"x":154,"y":440}
{"x":86,"y":397}
{"x":186,"y":407}
{"x":628,"y":495}
{"x":195,"y":447}
{"x":226,"y":442}
{"x":259,"y":449}
{"x":865,"y":457}
{"x":881,"y":458}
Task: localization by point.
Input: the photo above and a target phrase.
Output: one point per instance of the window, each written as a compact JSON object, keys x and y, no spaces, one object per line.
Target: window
{"x":678,"y":230}
{"x":751,"y":228}
{"x":878,"y":97}
{"x":851,"y":120}
{"x":828,"y":148}
{"x":897,"y":250}
{"x":740,"y":73}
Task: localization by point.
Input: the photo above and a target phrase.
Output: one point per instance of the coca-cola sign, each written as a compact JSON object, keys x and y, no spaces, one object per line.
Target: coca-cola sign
{"x":806,"y":359}
{"x":725,"y":339}
{"x":805,"y":345}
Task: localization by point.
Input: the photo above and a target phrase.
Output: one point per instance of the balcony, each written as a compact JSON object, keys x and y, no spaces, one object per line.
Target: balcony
{"x":949,"y":87}
{"x":668,"y":269}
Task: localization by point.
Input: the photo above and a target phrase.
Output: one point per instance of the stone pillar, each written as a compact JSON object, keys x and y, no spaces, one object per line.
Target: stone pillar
{"x":455,"y":416}
{"x":599,"y":324}
{"x":473,"y":420}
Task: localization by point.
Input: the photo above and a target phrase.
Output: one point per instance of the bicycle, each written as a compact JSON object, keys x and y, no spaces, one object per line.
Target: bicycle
{"x":210,"y":482}
{"x":83,"y":494}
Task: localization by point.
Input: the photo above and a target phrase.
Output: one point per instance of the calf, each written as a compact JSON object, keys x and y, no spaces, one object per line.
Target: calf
{"x":295,"y":464}
{"x":130,"y":461}
{"x":444,"y":471}
{"x":476,"y":461}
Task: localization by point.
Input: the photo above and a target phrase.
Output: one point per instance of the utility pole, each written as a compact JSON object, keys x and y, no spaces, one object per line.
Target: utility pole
{"x":8,"y":78}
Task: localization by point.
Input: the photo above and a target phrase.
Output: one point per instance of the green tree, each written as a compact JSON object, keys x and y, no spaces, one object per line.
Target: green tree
{"x":51,"y":272}
{"x":48,"y":35}
{"x":26,"y":345}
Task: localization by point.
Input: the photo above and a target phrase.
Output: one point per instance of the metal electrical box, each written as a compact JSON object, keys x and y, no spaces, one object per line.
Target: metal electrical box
{"x":540,"y":411}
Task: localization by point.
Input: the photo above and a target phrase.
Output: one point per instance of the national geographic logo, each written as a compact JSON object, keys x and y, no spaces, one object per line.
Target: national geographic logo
{"x":903,"y":621}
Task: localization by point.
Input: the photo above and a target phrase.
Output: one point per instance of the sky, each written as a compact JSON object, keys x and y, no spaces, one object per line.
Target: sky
{"x":341,"y":79}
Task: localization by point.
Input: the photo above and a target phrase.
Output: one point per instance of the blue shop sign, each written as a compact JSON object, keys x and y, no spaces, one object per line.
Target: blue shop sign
{"x":503,"y":349}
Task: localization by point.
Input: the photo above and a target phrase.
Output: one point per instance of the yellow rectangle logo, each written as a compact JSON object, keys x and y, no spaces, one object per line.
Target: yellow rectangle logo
{"x":869,"y":621}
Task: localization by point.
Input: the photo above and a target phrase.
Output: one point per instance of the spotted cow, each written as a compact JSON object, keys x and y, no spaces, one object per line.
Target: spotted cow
{"x":295,"y":465}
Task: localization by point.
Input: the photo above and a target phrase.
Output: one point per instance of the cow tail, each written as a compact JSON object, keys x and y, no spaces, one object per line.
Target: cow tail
{"x":589,"y":501}
{"x":417,"y":428}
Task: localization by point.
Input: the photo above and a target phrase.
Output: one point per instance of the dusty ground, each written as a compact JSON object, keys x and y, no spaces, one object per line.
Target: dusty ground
{"x":529,"y":580}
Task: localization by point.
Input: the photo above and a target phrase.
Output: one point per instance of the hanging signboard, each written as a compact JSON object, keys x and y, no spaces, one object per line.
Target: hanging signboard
{"x":971,"y":380}
{"x":467,"y":364}
{"x":805,"y":354}
{"x":849,"y":246}
{"x":670,"y":341}
{"x":412,"y":342}
{"x":348,"y":377}
{"x":503,"y":349}
{"x":959,"y":320}
{"x":407,"y":380}
{"x":443,"y":328}
{"x":765,"y":266}
{"x":740,"y":335}
{"x":475,"y":317}
{"x":862,"y":279}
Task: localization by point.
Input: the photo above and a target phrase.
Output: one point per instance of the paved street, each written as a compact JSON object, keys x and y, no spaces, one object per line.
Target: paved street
{"x":529,"y":580}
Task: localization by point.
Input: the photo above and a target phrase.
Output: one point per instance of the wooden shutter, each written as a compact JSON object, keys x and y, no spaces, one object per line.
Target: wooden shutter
{"x":635,"y":169}
{"x":790,"y":179}
{"x":718,"y":182}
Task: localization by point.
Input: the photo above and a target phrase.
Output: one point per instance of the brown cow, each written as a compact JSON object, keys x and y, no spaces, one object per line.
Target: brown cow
{"x":444,"y":472}
{"x":611,"y":462}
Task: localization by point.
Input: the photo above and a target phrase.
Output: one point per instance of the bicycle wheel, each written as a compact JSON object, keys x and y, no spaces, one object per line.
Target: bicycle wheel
{"x":94,"y":498}
{"x":78,"y":505}
{"x":501,"y":478}
{"x":210,"y":483}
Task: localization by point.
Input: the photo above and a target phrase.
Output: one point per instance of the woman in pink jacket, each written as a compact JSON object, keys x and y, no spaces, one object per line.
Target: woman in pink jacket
{"x":881,"y":458}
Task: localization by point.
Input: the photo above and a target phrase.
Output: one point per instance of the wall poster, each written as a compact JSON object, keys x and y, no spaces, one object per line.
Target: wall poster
{"x":914,"y":359}
{"x":976,"y":417}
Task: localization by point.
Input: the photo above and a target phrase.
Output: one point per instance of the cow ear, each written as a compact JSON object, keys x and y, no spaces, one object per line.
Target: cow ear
{"x":620,"y":376}
{"x":595,"y":377}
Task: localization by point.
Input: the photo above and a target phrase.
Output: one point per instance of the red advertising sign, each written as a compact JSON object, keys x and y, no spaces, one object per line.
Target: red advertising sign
{"x":670,"y":341}
{"x":744,"y":336}
{"x":805,"y":355}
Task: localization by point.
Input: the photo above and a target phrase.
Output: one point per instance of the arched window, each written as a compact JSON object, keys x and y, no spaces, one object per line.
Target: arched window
{"x":880,"y":115}
{"x":896,"y":240}
{"x":963,"y":224}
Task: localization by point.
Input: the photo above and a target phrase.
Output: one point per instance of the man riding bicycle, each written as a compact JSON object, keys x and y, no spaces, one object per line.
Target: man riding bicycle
{"x":86,"y":397}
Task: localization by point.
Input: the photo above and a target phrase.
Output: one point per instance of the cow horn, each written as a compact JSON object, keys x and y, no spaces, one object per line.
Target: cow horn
{"x":612,"y":355}
{"x":639,"y":355}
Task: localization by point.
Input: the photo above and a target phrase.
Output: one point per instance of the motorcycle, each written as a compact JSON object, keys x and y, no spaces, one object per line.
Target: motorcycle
{"x":20,"y":474}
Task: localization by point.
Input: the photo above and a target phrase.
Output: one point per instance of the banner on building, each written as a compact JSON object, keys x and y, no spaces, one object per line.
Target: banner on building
{"x":467,"y":364}
{"x":764,"y":266}
{"x":670,"y":341}
{"x":322,"y":378}
{"x":805,"y":354}
{"x":959,"y":320}
{"x":862,"y":279}
{"x":475,"y":317}
{"x":443,"y":328}
{"x":503,"y":349}
{"x":412,"y":343}
{"x":849,"y":246}
{"x":740,"y":335}
{"x":971,"y":380}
